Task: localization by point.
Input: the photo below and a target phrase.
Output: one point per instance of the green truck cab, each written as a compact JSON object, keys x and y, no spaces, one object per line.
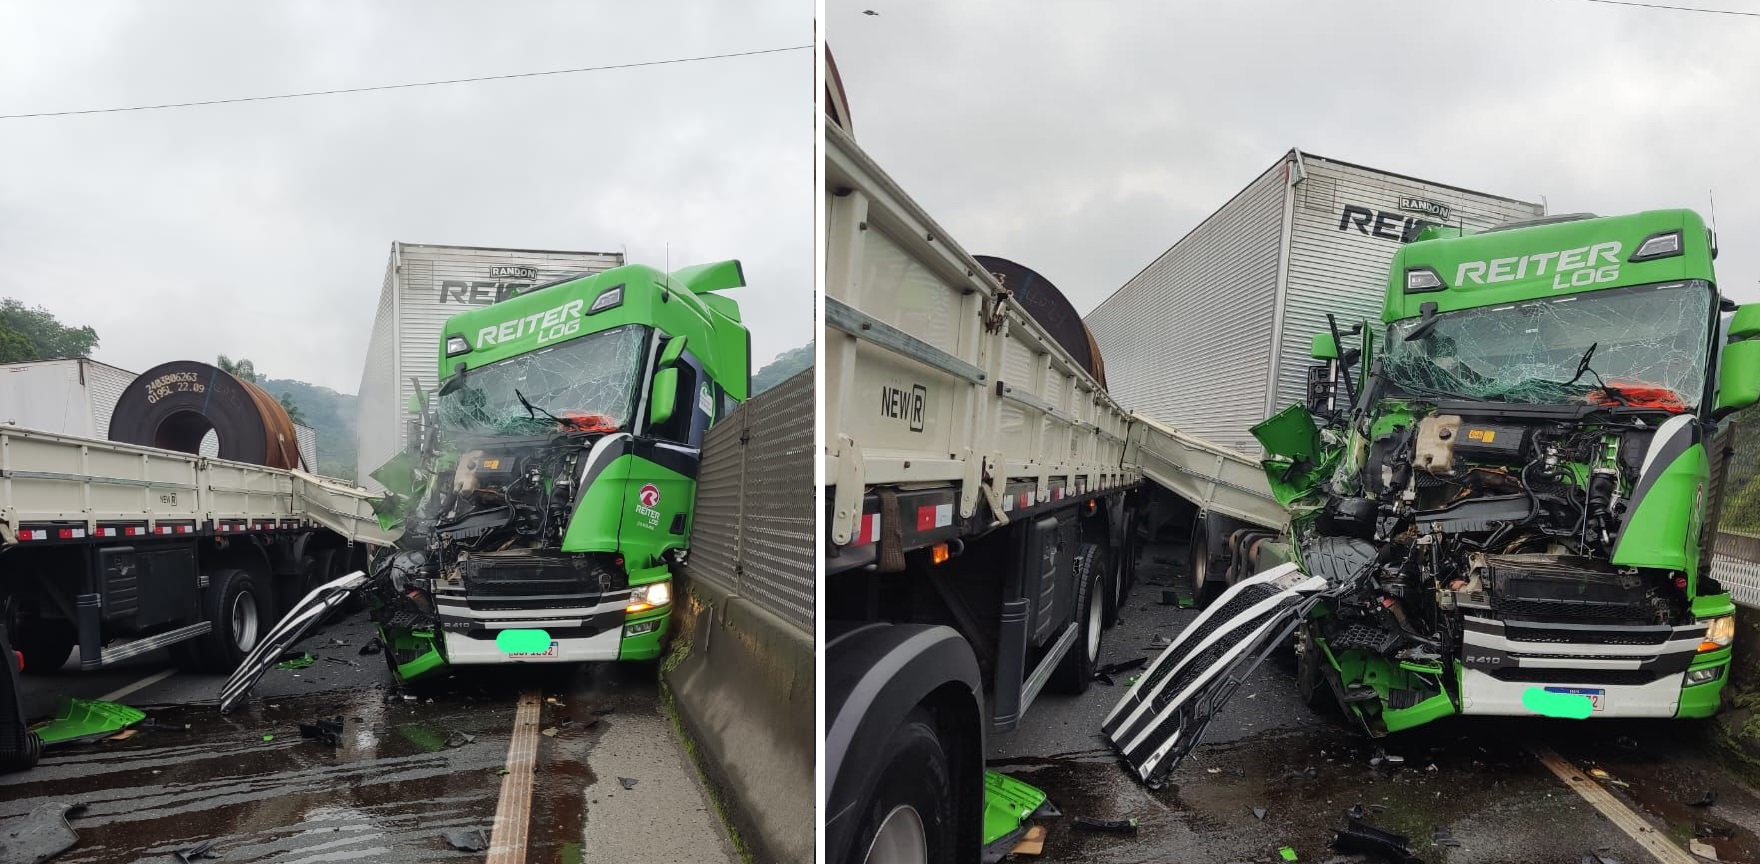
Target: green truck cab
{"x":1506,"y":482}
{"x":554,"y":479}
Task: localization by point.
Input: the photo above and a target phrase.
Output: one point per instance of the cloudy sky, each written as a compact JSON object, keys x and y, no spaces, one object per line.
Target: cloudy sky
{"x":1083,"y":139}
{"x":262,"y":229}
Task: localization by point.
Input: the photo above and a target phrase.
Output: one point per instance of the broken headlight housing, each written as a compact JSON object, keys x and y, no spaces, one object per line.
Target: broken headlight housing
{"x":1719,"y":632}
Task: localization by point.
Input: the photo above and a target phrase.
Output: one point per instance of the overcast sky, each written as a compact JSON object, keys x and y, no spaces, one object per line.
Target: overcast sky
{"x":263,"y":229}
{"x":1082,"y":139}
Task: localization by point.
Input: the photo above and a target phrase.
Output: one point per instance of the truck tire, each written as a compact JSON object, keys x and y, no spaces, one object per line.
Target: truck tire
{"x":907,"y":817}
{"x":1114,"y":585}
{"x":1075,"y":672}
{"x":1202,"y":550}
{"x":45,"y":644}
{"x":25,"y":758}
{"x":235,"y":607}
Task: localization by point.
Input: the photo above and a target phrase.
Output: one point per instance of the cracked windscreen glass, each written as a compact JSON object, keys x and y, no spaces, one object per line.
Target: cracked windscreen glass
{"x":592,"y":377}
{"x":1648,"y":343}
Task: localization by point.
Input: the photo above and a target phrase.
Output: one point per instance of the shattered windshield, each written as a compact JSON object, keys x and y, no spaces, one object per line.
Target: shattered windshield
{"x":1649,"y":343}
{"x":589,"y":382}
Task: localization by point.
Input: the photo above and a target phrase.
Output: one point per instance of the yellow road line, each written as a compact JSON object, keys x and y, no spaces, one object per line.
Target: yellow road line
{"x":513,"y":810}
{"x":1619,"y":814}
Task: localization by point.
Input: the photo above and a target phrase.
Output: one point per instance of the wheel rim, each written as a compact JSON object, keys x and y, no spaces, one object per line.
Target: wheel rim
{"x":1096,"y":621}
{"x":1200,"y":563}
{"x":244,"y":621}
{"x":901,"y":839}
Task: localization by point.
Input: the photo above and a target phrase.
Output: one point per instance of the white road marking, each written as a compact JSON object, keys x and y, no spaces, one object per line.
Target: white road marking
{"x":1619,"y":814}
{"x":513,"y":811}
{"x":148,"y":681}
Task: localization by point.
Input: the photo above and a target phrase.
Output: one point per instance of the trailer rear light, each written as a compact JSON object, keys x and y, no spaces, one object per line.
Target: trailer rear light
{"x":69,"y":533}
{"x":1719,"y":632}
{"x":1422,"y":279}
{"x":938,"y":553}
{"x":1665,"y":245}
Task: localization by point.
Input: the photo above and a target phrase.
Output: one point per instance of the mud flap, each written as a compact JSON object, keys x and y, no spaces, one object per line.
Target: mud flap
{"x":1162,"y":717}
{"x":287,"y":632}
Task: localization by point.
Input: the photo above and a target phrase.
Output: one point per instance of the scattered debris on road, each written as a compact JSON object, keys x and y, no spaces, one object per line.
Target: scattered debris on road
{"x":1105,"y":672}
{"x":1258,"y":813}
{"x":1702,"y":849}
{"x":1359,"y":838}
{"x":40,"y":835}
{"x":1441,"y":836}
{"x":467,"y":839}
{"x":328,"y":730}
{"x":1109,"y":826}
{"x":296,"y":661}
{"x":1706,"y":800}
{"x":204,"y":849}
{"x":1032,"y":843}
{"x":628,"y":782}
{"x":1605,"y":777}
{"x":372,"y":647}
{"x":77,"y":721}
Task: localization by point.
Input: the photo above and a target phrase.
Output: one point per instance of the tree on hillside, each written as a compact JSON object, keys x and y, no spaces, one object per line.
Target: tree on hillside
{"x":32,"y":333}
{"x":245,"y":370}
{"x":783,"y":367}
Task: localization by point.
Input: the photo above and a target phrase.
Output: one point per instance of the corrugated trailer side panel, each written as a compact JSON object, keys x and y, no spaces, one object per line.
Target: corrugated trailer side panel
{"x":1346,"y":227}
{"x":1188,"y":340}
{"x":376,"y":414}
{"x":438,"y":282}
{"x":104,"y":386}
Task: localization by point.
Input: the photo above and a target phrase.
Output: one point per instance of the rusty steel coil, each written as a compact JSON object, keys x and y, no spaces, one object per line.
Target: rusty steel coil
{"x":174,"y":405}
{"x":1051,"y":309}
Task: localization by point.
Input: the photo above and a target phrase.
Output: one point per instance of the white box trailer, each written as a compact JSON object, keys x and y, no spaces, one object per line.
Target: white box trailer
{"x":425,"y":285}
{"x":1214,"y":335}
{"x":71,"y":397}
{"x":77,"y":397}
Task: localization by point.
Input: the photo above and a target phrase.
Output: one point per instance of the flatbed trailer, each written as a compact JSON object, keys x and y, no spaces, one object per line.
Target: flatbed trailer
{"x":120,"y":549}
{"x":983,"y":493}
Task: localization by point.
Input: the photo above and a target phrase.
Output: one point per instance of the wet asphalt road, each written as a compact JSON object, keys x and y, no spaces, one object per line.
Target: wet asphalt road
{"x":410,"y":765}
{"x":1486,"y":788}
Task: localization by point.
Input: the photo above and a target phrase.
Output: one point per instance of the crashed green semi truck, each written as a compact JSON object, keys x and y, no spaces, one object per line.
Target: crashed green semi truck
{"x":1498,"y":499}
{"x":556,"y":474}
{"x":551,"y":485}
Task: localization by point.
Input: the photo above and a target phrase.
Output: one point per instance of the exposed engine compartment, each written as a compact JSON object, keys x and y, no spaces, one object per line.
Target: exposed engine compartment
{"x":1449,"y":518}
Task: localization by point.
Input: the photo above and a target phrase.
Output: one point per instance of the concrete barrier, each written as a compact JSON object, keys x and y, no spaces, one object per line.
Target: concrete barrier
{"x":740,"y":681}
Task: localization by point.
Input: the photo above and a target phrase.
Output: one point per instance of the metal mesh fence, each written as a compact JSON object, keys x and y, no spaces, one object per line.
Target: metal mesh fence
{"x":1735,"y":455}
{"x":756,"y":502}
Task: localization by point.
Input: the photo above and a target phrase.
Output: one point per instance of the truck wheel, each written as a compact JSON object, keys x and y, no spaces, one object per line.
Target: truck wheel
{"x":1076,"y":670}
{"x":26,"y":758}
{"x":44,"y":644}
{"x":908,"y":818}
{"x":1201,"y":552}
{"x":236,"y":610}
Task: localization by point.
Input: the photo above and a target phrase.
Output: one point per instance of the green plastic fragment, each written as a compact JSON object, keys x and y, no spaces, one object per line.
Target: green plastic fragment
{"x":268,"y":737}
{"x":300,"y":662}
{"x":1007,"y":802}
{"x":78,"y":720}
{"x":1287,"y":854}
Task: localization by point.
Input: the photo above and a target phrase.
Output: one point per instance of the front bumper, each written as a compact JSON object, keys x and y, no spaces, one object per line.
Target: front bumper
{"x":638,"y":637}
{"x":1637,"y":675}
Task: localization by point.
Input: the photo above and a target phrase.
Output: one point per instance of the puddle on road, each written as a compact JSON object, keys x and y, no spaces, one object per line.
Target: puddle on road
{"x":402,"y":774}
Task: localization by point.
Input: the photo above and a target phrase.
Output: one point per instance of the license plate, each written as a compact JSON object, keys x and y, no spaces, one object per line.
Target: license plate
{"x":1597,"y":696}
{"x":551,"y":652}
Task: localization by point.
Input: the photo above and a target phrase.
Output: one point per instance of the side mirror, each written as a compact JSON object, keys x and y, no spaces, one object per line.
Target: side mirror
{"x":1745,"y":324}
{"x":1738,"y":376}
{"x":665,"y":396}
{"x":1325,"y":347}
{"x":674,"y":350}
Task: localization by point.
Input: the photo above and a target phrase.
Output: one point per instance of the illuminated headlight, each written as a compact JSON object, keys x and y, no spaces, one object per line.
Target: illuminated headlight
{"x":1719,"y":632}
{"x":611,"y":298}
{"x":457,"y":345}
{"x":1703,"y":676}
{"x":1658,"y":246}
{"x":1421,"y":279}
{"x":649,"y":596}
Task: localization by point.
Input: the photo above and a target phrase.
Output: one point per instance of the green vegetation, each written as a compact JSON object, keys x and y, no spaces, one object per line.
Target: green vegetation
{"x":31,"y":333}
{"x":783,"y":368}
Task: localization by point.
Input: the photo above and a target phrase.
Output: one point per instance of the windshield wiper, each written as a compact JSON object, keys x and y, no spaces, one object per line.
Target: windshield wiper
{"x":533,"y":411}
{"x":1583,"y":366}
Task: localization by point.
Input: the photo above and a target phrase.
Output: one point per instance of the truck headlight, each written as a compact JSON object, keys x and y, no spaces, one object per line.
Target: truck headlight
{"x":610,"y":298}
{"x":649,"y":596}
{"x":456,"y":345}
{"x":1719,"y":632}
